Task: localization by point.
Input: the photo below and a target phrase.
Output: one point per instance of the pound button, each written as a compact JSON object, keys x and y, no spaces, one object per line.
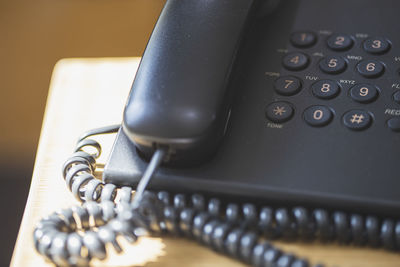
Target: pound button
{"x":357,"y":119}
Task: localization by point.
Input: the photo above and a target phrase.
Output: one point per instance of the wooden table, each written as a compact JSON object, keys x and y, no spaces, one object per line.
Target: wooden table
{"x":90,"y":93}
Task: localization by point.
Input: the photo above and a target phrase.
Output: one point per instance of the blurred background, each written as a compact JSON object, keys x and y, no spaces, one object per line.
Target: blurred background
{"x":34,"y":36}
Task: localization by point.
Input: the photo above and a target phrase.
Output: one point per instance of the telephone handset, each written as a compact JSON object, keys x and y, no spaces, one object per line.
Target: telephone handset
{"x":180,"y":99}
{"x":264,"y":126}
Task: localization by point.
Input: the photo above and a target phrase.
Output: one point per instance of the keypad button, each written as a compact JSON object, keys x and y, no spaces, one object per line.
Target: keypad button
{"x":364,"y":93}
{"x":333,"y":64}
{"x":396,"y":97}
{"x":325,"y":89}
{"x":370,"y":68}
{"x":303,"y":39}
{"x":340,"y":42}
{"x":287,"y":85}
{"x":279,"y":111}
{"x":376,"y":45}
{"x":295,"y":61}
{"x":318,"y":115}
{"x":357,"y":119}
{"x":394,"y":124}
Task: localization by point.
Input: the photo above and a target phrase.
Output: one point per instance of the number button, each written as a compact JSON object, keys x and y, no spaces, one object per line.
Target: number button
{"x":364,"y":93}
{"x":295,"y":61}
{"x":333,"y":65}
{"x":318,"y":116}
{"x":340,"y":42}
{"x":370,"y":68}
{"x":357,"y":119}
{"x":287,"y":85}
{"x":279,"y":111}
{"x":325,"y":89}
{"x":377,"y":45}
{"x":303,"y":39}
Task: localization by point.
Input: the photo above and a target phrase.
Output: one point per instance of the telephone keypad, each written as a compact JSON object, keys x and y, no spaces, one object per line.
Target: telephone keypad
{"x":364,"y":93}
{"x":333,"y":64}
{"x":357,"y":119}
{"x":279,"y":111}
{"x":339,"y":42}
{"x":303,"y":39}
{"x":318,"y":115}
{"x":325,"y":89}
{"x":370,"y":68}
{"x":295,"y":61}
{"x":287,"y":85}
{"x":376,"y":45}
{"x":340,"y":67}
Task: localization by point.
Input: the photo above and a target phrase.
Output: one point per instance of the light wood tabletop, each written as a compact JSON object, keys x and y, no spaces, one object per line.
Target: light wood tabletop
{"x":91,"y":93}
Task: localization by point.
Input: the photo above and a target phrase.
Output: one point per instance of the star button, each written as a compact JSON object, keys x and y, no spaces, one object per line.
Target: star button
{"x":279,"y":111}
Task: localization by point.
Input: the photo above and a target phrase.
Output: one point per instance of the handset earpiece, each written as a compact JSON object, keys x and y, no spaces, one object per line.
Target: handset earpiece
{"x":180,"y":99}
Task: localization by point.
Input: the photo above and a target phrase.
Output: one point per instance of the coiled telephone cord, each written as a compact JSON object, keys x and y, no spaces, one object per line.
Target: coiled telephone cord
{"x":241,"y":230}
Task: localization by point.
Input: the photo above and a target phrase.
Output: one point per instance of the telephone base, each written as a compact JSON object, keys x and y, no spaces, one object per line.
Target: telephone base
{"x":125,"y":167}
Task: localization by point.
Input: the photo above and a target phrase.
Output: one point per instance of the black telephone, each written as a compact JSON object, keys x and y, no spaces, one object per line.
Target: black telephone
{"x":290,"y":103}
{"x":304,"y":114}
